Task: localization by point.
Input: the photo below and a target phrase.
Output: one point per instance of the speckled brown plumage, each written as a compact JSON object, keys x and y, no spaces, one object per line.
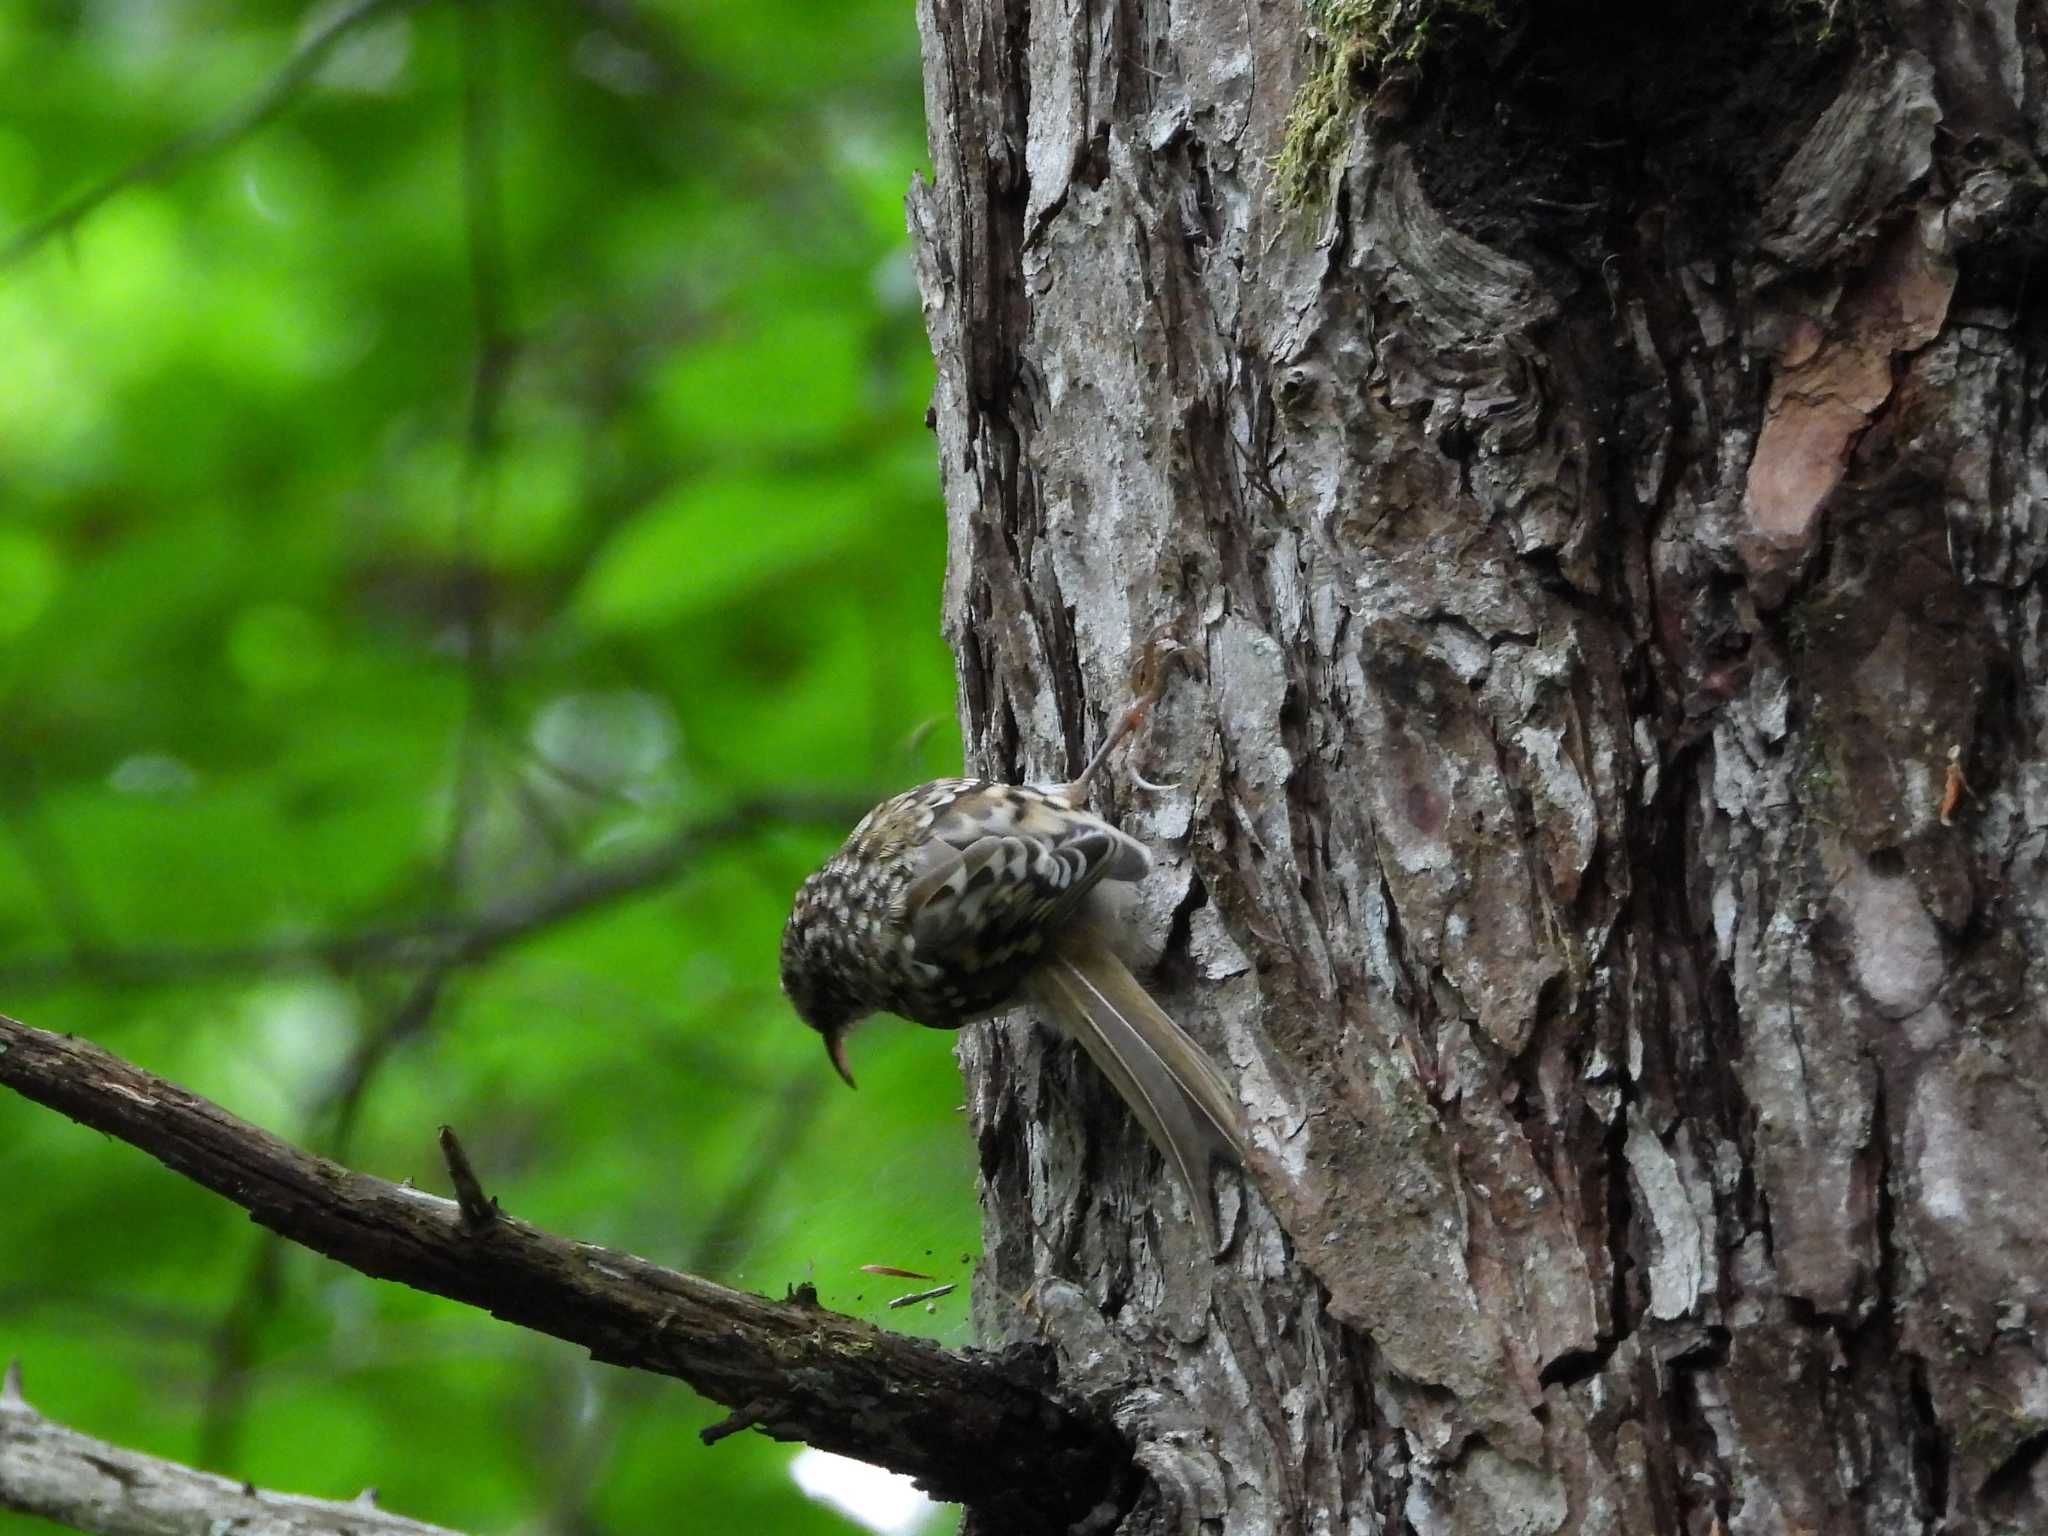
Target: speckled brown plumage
{"x":940,"y":901}
{"x":961,"y":896}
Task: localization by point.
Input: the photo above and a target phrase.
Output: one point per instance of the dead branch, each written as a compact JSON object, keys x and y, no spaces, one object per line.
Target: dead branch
{"x":978,"y":1429}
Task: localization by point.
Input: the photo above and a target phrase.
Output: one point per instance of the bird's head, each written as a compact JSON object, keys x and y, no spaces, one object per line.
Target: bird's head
{"x":813,"y":984}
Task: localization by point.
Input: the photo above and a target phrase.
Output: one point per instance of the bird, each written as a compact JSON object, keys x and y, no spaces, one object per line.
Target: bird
{"x":961,"y":897}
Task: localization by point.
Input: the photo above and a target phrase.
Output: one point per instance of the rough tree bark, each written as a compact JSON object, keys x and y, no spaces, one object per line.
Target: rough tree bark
{"x":1609,"y":524}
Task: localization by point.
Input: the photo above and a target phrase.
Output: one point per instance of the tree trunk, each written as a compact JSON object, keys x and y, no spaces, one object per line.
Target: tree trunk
{"x":1604,"y":838}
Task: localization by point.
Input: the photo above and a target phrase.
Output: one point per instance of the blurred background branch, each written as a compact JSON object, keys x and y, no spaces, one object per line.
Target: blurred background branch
{"x":443,"y":941}
{"x":225,"y":131}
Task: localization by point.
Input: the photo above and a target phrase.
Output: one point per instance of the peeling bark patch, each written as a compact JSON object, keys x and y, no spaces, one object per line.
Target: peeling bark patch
{"x":1825,"y":394}
{"x":1526,"y":1258}
{"x":1898,"y":665}
{"x":1567,"y":820}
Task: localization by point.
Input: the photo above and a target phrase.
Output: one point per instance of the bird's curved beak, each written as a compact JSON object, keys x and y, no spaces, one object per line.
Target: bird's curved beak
{"x":835,"y":1047}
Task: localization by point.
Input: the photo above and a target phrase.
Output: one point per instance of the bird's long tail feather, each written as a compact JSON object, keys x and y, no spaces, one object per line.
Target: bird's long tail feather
{"x":1167,"y":1079}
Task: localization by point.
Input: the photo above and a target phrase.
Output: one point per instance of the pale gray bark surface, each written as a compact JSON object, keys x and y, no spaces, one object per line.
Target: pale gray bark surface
{"x":49,"y":1470}
{"x":1594,"y":526}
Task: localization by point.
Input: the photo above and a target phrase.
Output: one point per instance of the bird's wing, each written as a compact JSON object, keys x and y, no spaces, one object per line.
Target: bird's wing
{"x":1005,"y":865}
{"x":1041,"y":817}
{"x":1000,"y":895}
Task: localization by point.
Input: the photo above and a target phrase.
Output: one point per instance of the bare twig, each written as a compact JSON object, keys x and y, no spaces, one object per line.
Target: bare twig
{"x":231,"y":128}
{"x":915,"y":1297}
{"x":478,"y":1209}
{"x":91,"y":1485}
{"x":456,"y":939}
{"x":969,"y":1427}
{"x":740,"y":1418}
{"x":437,"y":949}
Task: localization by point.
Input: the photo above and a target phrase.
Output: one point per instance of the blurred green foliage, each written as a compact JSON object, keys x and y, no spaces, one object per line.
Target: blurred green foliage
{"x":503,"y":458}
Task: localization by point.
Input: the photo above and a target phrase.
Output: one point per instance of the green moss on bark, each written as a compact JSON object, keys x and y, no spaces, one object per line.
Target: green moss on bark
{"x":1355,"y":41}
